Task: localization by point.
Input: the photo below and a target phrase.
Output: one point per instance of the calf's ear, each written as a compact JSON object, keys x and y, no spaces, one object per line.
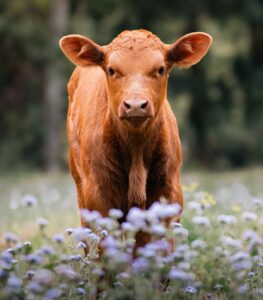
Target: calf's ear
{"x":189,"y":49}
{"x":81,"y":50}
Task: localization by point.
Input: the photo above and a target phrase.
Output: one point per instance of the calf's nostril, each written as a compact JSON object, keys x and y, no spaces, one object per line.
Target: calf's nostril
{"x":127,"y":105}
{"x":144,"y":105}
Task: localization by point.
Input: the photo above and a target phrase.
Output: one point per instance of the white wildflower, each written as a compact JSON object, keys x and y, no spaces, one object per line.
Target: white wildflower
{"x":258,"y":202}
{"x":243,"y":288}
{"x":158,"y":229}
{"x":104,"y":233}
{"x":184,"y":265}
{"x":69,"y":231}
{"x":218,"y":251}
{"x":174,"y":224}
{"x":123,"y":275}
{"x":240,"y":255}
{"x":27,"y":244}
{"x":94,"y":237}
{"x":137,"y":217}
{"x":118,"y":256}
{"x":127,"y":226}
{"x":249,"y":216}
{"x":218,"y":286}
{"x":227,"y":219}
{"x":98,"y":271}
{"x":191,"y":255}
{"x":90,"y":216}
{"x":190,"y":290}
{"x":107,"y":223}
{"x":257,"y":258}
{"x":181,"y":233}
{"x":258,"y":241}
{"x":146,"y":252}
{"x":160,"y":210}
{"x":198,"y":244}
{"x":115,"y":213}
{"x":81,"y":245}
{"x":29,"y":200}
{"x":250,"y":235}
{"x":81,"y":234}
{"x":159,"y":245}
{"x":176,"y":273}
{"x":200,"y":220}
{"x":229,"y":241}
{"x":110,"y":242}
{"x":183,"y":248}
{"x":251,"y":274}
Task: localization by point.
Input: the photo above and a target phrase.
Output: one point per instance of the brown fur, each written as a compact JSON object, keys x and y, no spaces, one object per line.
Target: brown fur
{"x":115,"y":164}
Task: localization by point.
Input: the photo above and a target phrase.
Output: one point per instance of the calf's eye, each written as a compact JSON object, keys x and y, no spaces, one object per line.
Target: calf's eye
{"x":111,"y":71}
{"x":161,"y":71}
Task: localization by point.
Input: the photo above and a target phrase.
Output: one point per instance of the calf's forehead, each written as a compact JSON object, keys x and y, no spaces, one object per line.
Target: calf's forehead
{"x":136,"y":39}
{"x":136,"y":47}
{"x":133,"y":60}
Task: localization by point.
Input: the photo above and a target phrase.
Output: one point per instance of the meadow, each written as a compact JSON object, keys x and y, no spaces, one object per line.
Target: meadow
{"x":218,"y":253}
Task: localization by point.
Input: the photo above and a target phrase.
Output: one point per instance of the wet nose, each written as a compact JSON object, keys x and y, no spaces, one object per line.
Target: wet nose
{"x":135,"y":106}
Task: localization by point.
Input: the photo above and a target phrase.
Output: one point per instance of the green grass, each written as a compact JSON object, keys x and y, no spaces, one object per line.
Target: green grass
{"x":57,"y":196}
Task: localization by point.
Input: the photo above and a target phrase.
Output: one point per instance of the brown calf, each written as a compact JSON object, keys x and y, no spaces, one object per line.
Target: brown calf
{"x":124,"y":144}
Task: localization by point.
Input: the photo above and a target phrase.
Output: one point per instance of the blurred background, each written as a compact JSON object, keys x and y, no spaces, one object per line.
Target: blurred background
{"x":218,"y":103}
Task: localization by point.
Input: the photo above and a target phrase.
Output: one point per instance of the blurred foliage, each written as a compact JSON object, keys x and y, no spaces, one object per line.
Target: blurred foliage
{"x":218,"y":103}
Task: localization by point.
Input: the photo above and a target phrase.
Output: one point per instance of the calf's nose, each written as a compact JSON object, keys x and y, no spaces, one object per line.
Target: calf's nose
{"x":135,"y":104}
{"x":135,"y":107}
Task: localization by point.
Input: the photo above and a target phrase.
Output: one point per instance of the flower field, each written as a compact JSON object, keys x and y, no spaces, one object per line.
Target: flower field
{"x":218,"y":252}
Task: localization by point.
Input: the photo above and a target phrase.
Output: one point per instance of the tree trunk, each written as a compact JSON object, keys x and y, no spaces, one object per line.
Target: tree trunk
{"x":54,"y":87}
{"x":198,"y":111}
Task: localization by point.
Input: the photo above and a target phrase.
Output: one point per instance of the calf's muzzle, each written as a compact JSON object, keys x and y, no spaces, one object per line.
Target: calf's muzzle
{"x":136,"y":108}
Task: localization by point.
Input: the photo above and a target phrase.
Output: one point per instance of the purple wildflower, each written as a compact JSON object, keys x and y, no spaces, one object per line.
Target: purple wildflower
{"x":58,"y":238}
{"x":115,"y":213}
{"x":69,"y":231}
{"x":81,"y":291}
{"x":42,"y":223}
{"x":34,"y":287}
{"x":53,"y":293}
{"x":176,"y":273}
{"x":29,"y":200}
{"x":10,"y":237}
{"x":67,"y":272}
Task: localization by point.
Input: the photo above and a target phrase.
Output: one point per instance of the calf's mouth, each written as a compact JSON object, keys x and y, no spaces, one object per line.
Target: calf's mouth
{"x":136,"y":121}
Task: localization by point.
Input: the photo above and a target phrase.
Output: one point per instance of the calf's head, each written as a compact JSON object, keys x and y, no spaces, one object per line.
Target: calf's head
{"x":137,"y":65}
